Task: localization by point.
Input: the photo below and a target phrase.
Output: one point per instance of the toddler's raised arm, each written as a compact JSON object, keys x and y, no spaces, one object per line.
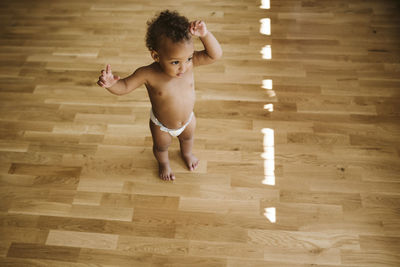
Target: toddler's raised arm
{"x":212,"y":49}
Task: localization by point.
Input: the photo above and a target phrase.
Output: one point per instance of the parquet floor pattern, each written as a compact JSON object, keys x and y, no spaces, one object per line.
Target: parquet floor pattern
{"x":78,"y":181}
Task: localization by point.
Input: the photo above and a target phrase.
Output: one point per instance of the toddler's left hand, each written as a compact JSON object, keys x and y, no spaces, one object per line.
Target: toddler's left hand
{"x":198,"y":28}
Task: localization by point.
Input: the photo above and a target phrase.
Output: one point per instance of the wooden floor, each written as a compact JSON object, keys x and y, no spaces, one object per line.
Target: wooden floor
{"x":303,"y":172}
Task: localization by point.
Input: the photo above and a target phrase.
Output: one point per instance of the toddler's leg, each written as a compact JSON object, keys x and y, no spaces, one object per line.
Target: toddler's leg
{"x":161,"y":142}
{"x":186,"y":142}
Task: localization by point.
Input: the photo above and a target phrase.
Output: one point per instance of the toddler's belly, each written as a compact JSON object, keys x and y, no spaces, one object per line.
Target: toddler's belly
{"x":175,"y":116}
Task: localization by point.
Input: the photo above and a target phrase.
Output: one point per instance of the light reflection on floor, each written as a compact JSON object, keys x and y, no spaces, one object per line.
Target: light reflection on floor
{"x":265,"y":4}
{"x":269,"y":141}
{"x":269,"y":157}
{"x":267,"y":85}
{"x":270,"y":213}
{"x":265,"y":26}
{"x":269,"y":107}
{"x":266,"y":52}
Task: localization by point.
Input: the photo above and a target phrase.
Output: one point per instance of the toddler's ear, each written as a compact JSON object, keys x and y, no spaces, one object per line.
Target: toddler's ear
{"x":155,"y":56}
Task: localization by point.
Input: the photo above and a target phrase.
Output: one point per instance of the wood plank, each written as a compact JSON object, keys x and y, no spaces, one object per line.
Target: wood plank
{"x":37,"y":251}
{"x":82,"y":240}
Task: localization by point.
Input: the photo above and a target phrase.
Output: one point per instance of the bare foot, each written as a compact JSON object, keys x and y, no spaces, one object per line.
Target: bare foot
{"x":165,"y":172}
{"x":191,"y":161}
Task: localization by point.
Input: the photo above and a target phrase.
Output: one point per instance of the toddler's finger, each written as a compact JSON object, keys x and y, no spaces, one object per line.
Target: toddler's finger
{"x":108,"y":68}
{"x":116,"y":77}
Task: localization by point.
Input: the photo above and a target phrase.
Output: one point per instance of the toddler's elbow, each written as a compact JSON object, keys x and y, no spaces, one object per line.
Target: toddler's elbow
{"x":215,"y":57}
{"x":218,"y":54}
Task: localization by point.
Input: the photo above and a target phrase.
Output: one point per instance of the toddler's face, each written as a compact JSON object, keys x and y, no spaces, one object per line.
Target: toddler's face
{"x":175,"y":58}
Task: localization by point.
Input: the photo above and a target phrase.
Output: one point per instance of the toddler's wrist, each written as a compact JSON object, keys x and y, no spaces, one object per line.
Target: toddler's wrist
{"x":204,"y":35}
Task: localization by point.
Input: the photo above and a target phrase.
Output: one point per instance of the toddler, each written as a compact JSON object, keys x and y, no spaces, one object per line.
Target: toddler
{"x":169,"y":82}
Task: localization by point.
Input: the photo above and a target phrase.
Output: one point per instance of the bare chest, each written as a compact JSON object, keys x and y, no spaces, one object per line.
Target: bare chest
{"x":162,"y":89}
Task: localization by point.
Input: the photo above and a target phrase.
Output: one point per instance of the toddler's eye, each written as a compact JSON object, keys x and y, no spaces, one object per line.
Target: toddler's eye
{"x":190,"y":59}
{"x":175,"y":62}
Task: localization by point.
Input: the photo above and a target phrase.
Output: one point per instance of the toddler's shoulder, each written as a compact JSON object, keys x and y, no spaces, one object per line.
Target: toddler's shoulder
{"x":144,"y":72}
{"x":147,"y":70}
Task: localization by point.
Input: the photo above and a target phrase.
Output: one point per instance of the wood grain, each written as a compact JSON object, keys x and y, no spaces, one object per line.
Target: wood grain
{"x":301,"y":170}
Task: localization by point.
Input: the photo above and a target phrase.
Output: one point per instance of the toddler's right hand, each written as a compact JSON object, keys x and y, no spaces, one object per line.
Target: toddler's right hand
{"x":107,"y":79}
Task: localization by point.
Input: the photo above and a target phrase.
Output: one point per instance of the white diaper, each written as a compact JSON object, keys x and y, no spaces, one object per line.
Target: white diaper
{"x":172,"y":132}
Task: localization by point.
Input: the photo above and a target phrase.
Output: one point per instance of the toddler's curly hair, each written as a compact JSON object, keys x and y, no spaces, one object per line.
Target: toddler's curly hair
{"x":167,"y":24}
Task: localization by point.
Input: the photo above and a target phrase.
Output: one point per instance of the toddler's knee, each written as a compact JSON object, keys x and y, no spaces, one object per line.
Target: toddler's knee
{"x":160,"y":148}
{"x":185,"y":138}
